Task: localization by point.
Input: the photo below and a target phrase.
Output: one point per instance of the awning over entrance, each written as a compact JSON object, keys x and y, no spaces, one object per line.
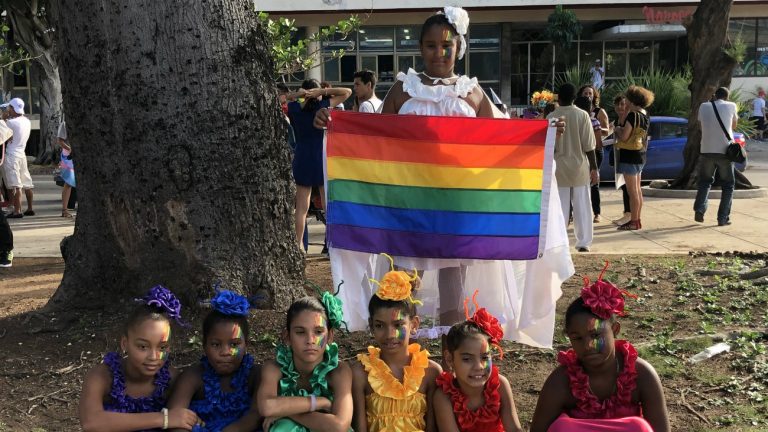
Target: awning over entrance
{"x":641,"y":32}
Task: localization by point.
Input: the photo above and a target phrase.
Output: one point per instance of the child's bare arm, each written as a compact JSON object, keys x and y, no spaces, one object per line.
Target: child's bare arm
{"x":184,"y":388}
{"x":359,"y":381}
{"x":93,"y":417}
{"x":508,"y":409}
{"x":652,"y":397}
{"x":551,"y":401}
{"x":433,"y":371}
{"x":445,"y":420}
{"x":271,"y":405}
{"x":340,"y":417}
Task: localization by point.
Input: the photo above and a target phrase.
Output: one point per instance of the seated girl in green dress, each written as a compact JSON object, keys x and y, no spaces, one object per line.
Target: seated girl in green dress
{"x":306,"y":388}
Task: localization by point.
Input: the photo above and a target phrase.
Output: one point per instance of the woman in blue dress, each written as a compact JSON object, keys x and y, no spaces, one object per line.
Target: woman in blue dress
{"x":308,"y":158}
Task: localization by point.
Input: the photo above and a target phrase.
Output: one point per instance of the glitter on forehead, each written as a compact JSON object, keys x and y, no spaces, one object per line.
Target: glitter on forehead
{"x":237,"y":332}
{"x":398,"y":315}
{"x":167,"y":334}
{"x":319,"y":321}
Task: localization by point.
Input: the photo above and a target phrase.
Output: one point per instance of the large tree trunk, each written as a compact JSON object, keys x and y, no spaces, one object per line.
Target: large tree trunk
{"x":183,"y":172}
{"x":31,"y":32}
{"x":712,"y":68}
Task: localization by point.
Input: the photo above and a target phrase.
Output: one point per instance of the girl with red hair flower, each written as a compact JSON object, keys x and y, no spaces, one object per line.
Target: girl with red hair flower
{"x":474,"y":397}
{"x":601,"y":384}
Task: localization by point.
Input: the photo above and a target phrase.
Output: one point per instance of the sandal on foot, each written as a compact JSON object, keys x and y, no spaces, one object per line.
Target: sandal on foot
{"x":29,"y":213}
{"x":66,"y":214}
{"x":629,"y":226}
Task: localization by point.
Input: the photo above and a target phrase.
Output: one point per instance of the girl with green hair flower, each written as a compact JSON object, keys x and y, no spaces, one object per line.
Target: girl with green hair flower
{"x":306,"y":388}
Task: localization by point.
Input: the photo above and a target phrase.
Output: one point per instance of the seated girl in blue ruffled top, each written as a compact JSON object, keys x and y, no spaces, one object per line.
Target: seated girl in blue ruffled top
{"x":220,"y":389}
{"x":306,"y":388}
{"x":128,"y":391}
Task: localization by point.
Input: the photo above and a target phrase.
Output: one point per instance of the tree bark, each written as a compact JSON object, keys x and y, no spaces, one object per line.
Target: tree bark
{"x":32,"y":33}
{"x":183,"y":171}
{"x":711,"y":68}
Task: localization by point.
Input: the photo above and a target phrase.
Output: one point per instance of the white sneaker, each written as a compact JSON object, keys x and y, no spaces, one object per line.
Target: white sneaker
{"x":624,"y":219}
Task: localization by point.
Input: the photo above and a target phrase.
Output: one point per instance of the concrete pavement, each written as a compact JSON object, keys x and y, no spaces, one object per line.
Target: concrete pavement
{"x":668,"y":225}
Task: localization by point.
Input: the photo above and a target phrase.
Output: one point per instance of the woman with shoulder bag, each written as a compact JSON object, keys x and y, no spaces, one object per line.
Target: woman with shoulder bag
{"x":632,"y":142}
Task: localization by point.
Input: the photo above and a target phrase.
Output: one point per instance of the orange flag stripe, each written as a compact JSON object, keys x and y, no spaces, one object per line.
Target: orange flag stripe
{"x":447,"y":154}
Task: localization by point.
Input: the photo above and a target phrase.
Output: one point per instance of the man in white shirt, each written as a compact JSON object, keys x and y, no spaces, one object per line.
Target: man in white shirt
{"x":364,"y":88}
{"x":712,"y":159}
{"x":598,"y":75}
{"x":15,"y":169}
{"x":758,"y":113}
{"x":575,"y":165}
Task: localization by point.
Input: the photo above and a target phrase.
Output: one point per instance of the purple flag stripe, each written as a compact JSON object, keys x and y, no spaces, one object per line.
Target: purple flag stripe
{"x":427,"y":245}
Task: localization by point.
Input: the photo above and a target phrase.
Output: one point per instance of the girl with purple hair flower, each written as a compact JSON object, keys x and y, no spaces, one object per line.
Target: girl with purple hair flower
{"x":220,"y":388}
{"x":128,"y":391}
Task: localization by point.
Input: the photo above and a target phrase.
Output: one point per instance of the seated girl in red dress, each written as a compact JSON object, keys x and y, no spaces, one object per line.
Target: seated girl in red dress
{"x":474,"y":397}
{"x":601,"y":385}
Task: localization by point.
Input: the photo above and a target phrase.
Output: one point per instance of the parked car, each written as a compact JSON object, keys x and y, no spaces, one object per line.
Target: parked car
{"x":666,"y":141}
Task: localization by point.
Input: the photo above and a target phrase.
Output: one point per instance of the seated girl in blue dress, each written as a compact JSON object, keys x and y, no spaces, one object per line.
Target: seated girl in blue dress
{"x":220,"y":389}
{"x":306,"y":388}
{"x":127,"y":392}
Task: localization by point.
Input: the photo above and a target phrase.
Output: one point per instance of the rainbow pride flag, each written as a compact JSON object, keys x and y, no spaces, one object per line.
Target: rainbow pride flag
{"x":437,"y":187}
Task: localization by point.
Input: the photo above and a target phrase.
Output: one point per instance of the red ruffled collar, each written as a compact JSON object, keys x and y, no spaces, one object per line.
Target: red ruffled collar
{"x":485,"y":418}
{"x":620,"y":402}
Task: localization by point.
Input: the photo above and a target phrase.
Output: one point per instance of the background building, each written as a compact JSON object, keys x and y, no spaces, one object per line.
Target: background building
{"x":508,"y":51}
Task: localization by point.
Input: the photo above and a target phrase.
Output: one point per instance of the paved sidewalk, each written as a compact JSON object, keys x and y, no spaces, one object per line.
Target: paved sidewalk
{"x":668,"y":225}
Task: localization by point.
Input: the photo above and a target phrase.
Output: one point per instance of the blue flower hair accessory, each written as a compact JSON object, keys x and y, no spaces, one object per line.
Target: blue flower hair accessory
{"x":333,"y":306}
{"x":162,"y":298}
{"x":229,"y":302}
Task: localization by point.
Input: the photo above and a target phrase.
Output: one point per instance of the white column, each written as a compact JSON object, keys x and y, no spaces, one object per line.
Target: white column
{"x":314,"y":47}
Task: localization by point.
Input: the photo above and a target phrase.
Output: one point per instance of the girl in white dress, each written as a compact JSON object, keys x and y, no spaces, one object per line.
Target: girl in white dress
{"x":522,"y":294}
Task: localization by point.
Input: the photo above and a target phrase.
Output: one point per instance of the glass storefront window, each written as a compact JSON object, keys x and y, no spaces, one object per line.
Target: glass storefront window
{"x":484,"y":66}
{"x":565,"y":58}
{"x":761,"y":63}
{"x":639,"y":62}
{"x":348,"y":68}
{"x":408,"y":38}
{"x":409,"y":61}
{"x":331,"y":70}
{"x":589,"y":52}
{"x":484,"y":36}
{"x":744,"y":29}
{"x":336,"y":43}
{"x":377,"y":38}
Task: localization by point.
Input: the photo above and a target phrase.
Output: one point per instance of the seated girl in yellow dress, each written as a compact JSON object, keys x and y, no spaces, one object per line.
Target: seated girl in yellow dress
{"x":392,"y":385}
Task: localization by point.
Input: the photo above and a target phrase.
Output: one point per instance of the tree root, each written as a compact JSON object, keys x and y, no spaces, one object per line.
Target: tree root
{"x":682,"y":402}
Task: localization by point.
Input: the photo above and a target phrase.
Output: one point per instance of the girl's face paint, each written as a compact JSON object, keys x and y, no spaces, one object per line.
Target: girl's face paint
{"x":319,"y":339}
{"x":390,"y":328}
{"x":487,"y":363}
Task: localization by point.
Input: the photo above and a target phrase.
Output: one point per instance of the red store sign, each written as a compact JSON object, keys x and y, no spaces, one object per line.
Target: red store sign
{"x":665,"y":16}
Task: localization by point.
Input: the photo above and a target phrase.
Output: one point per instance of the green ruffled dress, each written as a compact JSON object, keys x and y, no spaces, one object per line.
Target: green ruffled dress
{"x":318,"y":382}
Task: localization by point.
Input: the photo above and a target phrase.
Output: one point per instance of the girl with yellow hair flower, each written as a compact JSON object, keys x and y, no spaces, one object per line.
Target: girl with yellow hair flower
{"x":392,"y":385}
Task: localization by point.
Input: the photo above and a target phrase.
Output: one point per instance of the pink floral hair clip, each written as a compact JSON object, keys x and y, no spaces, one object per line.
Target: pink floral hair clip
{"x":603,"y":298}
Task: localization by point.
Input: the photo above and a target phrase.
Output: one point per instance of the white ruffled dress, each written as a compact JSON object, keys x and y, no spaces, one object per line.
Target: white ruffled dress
{"x":521,"y":294}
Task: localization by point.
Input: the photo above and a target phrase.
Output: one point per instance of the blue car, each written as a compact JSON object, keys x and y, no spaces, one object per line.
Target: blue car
{"x":666,"y":141}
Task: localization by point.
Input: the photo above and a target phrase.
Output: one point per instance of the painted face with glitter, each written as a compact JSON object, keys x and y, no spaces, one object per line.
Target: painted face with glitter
{"x":472,"y":361}
{"x":391,"y":328}
{"x":592,"y":339}
{"x":438,"y":49}
{"x":225,"y":347}
{"x":146,"y":346}
{"x":319,"y":339}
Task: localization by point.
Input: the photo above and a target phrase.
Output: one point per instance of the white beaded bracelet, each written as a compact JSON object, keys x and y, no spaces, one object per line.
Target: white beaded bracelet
{"x":165,"y":418}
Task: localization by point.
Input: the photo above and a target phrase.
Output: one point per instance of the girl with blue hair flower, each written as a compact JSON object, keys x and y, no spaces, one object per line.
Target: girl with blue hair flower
{"x":220,"y":388}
